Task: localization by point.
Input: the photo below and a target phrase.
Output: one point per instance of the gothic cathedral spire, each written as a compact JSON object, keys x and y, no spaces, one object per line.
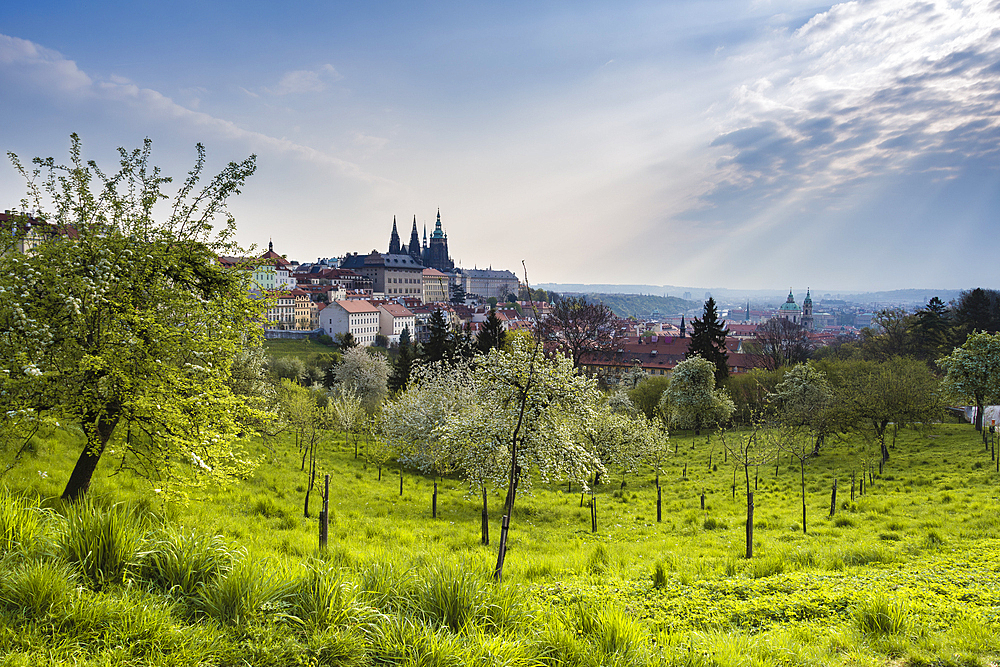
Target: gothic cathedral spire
{"x":394,"y":239}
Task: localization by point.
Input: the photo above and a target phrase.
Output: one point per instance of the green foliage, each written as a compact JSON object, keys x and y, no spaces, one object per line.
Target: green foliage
{"x":247,"y":593}
{"x":882,"y":614}
{"x":129,"y":325}
{"x":103,"y":543}
{"x":647,"y":393}
{"x":691,"y":400}
{"x":20,"y":523}
{"x":38,"y":588}
{"x":181,"y":562}
{"x":708,"y":341}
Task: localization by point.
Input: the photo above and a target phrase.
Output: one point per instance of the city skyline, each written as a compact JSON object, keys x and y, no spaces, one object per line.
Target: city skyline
{"x":751,"y":145}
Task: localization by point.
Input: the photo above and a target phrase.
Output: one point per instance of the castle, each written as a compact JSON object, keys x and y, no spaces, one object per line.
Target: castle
{"x":433,"y":255}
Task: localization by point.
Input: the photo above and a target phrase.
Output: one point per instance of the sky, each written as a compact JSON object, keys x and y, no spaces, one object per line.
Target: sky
{"x":754,"y":144}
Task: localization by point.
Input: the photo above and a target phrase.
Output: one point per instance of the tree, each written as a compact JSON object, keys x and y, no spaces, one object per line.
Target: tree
{"x":780,"y":342}
{"x":750,"y":448}
{"x":364,"y":374}
{"x":647,"y":393}
{"x":978,"y":310}
{"x":932,"y":330}
{"x":439,"y":343}
{"x":129,"y":325}
{"x":402,"y":365}
{"x":972,"y":371}
{"x":492,"y":335}
{"x":523,"y":419}
{"x":803,"y":399}
{"x":576,"y":327}
{"x":691,"y":400}
{"x":888,"y":336}
{"x":708,"y":341}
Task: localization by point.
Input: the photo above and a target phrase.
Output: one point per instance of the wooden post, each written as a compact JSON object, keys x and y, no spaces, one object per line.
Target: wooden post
{"x":434,"y":501}
{"x":400,"y":482}
{"x":486,"y":521}
{"x":685,"y":471}
{"x":593,"y":512}
{"x":833,"y":498}
{"x":853,"y":485}
{"x":703,"y":499}
{"x":324,"y":518}
{"x":750,"y":525}
{"x":659,"y":505}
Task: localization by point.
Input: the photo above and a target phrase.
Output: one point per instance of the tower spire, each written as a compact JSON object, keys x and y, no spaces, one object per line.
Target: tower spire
{"x":394,"y":239}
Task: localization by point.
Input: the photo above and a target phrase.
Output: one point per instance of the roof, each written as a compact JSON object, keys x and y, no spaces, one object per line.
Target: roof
{"x":356,"y":306}
{"x":434,"y":273}
{"x":396,"y":310}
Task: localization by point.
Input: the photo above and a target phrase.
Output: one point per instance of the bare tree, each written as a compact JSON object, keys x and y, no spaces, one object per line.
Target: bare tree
{"x":780,"y":342}
{"x":577,"y":327}
{"x":749,"y":449}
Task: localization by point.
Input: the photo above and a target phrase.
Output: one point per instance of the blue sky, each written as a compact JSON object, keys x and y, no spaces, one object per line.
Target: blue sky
{"x":750,"y":144}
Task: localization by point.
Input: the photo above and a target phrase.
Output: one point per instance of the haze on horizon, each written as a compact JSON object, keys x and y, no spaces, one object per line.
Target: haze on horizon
{"x":747,"y":144}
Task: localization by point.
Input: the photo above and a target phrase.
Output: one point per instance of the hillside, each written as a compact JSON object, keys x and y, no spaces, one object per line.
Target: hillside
{"x":641,"y":305}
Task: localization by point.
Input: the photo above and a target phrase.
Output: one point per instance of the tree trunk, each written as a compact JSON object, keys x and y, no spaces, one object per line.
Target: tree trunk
{"x":750,"y":525}
{"x":99,"y":430}
{"x":833,"y":498}
{"x":802,"y":478}
{"x":486,"y":520}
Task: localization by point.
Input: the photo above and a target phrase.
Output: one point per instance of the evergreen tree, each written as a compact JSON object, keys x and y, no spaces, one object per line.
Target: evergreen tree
{"x":439,"y":344}
{"x":708,"y":340}
{"x":932,"y":330}
{"x":492,"y":335}
{"x":403,"y":364}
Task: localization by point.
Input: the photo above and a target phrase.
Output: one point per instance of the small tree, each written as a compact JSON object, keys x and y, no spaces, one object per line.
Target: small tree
{"x":691,"y":400}
{"x":492,"y":335}
{"x":576,"y":327}
{"x":973,"y":372}
{"x":364,"y":374}
{"x":755,"y":446}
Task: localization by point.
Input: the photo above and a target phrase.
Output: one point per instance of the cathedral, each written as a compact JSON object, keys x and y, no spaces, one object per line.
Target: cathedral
{"x":791,"y":311}
{"x":433,"y":255}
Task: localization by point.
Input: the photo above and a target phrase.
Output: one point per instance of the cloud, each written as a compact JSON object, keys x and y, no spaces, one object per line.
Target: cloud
{"x":48,"y":72}
{"x":305,"y":81}
{"x":861,"y":91}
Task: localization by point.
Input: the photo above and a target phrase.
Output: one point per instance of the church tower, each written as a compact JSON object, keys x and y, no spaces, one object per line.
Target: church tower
{"x":436,"y":254}
{"x":394,"y":239}
{"x":807,"y":312}
{"x":414,"y":247}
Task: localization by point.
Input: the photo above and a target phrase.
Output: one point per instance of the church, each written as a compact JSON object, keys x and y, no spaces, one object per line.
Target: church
{"x":433,"y":255}
{"x":791,"y":311}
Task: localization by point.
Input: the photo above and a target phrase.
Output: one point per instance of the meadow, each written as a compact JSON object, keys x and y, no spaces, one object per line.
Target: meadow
{"x":905,"y":574}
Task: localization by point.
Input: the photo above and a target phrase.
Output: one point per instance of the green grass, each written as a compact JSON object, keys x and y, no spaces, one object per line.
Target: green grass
{"x":904,"y":574}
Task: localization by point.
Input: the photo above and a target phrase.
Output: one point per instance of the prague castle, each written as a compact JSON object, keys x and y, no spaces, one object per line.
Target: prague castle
{"x":433,"y":255}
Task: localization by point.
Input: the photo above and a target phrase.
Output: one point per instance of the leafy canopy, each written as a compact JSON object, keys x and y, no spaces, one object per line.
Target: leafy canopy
{"x":127,"y":323}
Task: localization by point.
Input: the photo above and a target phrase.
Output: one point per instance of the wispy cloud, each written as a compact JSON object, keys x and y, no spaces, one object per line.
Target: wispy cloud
{"x":862,"y":90}
{"x":47,"y":71}
{"x":305,"y":81}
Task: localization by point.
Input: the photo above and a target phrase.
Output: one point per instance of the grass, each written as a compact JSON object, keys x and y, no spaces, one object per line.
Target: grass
{"x":904,"y":574}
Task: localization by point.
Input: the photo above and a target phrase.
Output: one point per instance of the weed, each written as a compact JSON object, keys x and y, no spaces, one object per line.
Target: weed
{"x":178,"y":561}
{"x":103,"y":543}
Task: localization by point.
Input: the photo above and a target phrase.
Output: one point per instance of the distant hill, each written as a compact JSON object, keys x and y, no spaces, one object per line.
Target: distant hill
{"x":728,"y":296}
{"x":641,"y":305}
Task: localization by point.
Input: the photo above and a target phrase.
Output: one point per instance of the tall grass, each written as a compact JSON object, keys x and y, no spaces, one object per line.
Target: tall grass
{"x":102,"y":542}
{"x":36,"y":588}
{"x":881,"y":614}
{"x":179,"y":561}
{"x":21,"y":524}
{"x":246,"y":594}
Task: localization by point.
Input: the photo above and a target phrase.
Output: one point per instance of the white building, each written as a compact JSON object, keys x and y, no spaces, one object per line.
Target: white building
{"x":359,"y":318}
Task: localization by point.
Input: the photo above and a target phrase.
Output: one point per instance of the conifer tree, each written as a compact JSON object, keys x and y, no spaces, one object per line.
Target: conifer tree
{"x":492,"y":335}
{"x":439,"y":343}
{"x":403,"y":363}
{"x":708,"y":340}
